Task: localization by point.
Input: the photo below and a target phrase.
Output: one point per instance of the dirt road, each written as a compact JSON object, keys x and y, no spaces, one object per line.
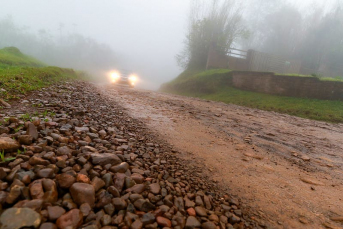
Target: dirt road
{"x":288,"y":171}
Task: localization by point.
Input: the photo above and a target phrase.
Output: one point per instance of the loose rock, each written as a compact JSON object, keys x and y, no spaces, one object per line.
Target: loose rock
{"x":72,"y":219}
{"x":8,"y":144}
{"x":83,"y":193}
{"x":15,"y":218}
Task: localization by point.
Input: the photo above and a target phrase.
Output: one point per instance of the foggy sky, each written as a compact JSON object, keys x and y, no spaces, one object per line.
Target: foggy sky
{"x":145,"y":34}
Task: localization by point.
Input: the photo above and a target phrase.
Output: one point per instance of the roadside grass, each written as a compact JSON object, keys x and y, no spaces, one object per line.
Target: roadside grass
{"x":336,"y":79}
{"x":196,"y":81}
{"x":20,"y":74}
{"x":212,"y":87}
{"x":323,"y":110}
{"x":11,"y":56}
{"x":21,"y":80}
{"x":295,"y":75}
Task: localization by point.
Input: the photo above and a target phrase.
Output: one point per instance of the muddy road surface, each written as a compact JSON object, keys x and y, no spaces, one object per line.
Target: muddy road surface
{"x":287,"y":171}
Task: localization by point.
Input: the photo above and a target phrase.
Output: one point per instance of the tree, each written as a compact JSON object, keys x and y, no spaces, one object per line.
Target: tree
{"x":282,"y":32}
{"x":217,"y":22}
{"x":323,"y":47}
{"x":313,"y":35}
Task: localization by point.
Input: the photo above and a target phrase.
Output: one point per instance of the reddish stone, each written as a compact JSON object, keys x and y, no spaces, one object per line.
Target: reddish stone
{"x":73,"y":219}
{"x":51,"y":193}
{"x":65,"y":180}
{"x":137,"y":224}
{"x":164,"y":222}
{"x":36,"y":189}
{"x":191,"y":212}
{"x":82,"y":178}
{"x":139,"y":179}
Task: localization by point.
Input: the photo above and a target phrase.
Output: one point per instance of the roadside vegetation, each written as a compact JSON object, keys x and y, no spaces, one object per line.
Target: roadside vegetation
{"x":337,"y":78}
{"x":211,"y":85}
{"x":20,"y":73}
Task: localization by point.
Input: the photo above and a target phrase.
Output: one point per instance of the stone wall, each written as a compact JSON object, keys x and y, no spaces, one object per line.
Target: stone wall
{"x":285,"y":85}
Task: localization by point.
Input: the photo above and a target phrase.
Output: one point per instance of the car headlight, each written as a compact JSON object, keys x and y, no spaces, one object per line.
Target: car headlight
{"x":133,"y":78}
{"x":115,"y":76}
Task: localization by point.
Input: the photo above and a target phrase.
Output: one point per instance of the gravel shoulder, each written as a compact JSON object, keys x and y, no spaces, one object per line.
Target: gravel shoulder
{"x":286,"y":170}
{"x":78,"y":159}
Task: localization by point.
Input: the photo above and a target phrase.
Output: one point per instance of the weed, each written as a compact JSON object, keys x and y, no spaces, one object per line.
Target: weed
{"x":45,"y":113}
{"x":16,"y":130}
{"x":3,"y":159}
{"x":26,"y":117}
{"x":2,"y":155}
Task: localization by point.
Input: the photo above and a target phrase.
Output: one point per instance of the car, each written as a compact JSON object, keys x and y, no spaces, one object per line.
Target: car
{"x":123,"y":78}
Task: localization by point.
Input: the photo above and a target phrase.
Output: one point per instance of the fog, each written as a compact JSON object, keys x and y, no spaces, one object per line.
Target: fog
{"x":141,"y":36}
{"x":144,"y":35}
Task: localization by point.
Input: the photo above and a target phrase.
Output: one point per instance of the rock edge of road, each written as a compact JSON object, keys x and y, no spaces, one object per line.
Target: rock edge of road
{"x":79,"y":161}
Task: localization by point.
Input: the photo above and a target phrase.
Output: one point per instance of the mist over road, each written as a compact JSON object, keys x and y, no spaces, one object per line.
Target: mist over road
{"x":287,"y":170}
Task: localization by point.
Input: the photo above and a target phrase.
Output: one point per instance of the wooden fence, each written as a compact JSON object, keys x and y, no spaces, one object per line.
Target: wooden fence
{"x":252,"y":60}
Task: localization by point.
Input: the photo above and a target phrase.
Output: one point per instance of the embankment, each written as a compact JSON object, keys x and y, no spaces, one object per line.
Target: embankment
{"x":303,"y":96}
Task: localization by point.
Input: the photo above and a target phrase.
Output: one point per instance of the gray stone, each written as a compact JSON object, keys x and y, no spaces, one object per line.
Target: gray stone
{"x":32,"y":130}
{"x":104,"y":159}
{"x":148,"y":218}
{"x":192,"y":222}
{"x":15,"y":218}
{"x":82,"y":129}
{"x":119,"y":203}
{"x":64,"y":150}
{"x":200,"y":211}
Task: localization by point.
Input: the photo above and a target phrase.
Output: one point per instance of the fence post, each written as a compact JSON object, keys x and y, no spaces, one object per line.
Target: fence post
{"x":250,"y":58}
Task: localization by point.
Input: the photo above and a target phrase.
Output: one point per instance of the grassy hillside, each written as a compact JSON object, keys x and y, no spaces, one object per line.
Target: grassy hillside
{"x":211,"y":85}
{"x":12,"y":56}
{"x":196,"y":82}
{"x":20,"y":73}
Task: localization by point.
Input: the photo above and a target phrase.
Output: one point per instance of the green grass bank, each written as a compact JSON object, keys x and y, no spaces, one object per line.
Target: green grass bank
{"x":20,"y":74}
{"x":212,"y":85}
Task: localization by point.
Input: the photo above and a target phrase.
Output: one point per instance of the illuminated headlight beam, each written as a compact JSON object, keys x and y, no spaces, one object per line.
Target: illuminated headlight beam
{"x":133,"y":78}
{"x":115,"y":76}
